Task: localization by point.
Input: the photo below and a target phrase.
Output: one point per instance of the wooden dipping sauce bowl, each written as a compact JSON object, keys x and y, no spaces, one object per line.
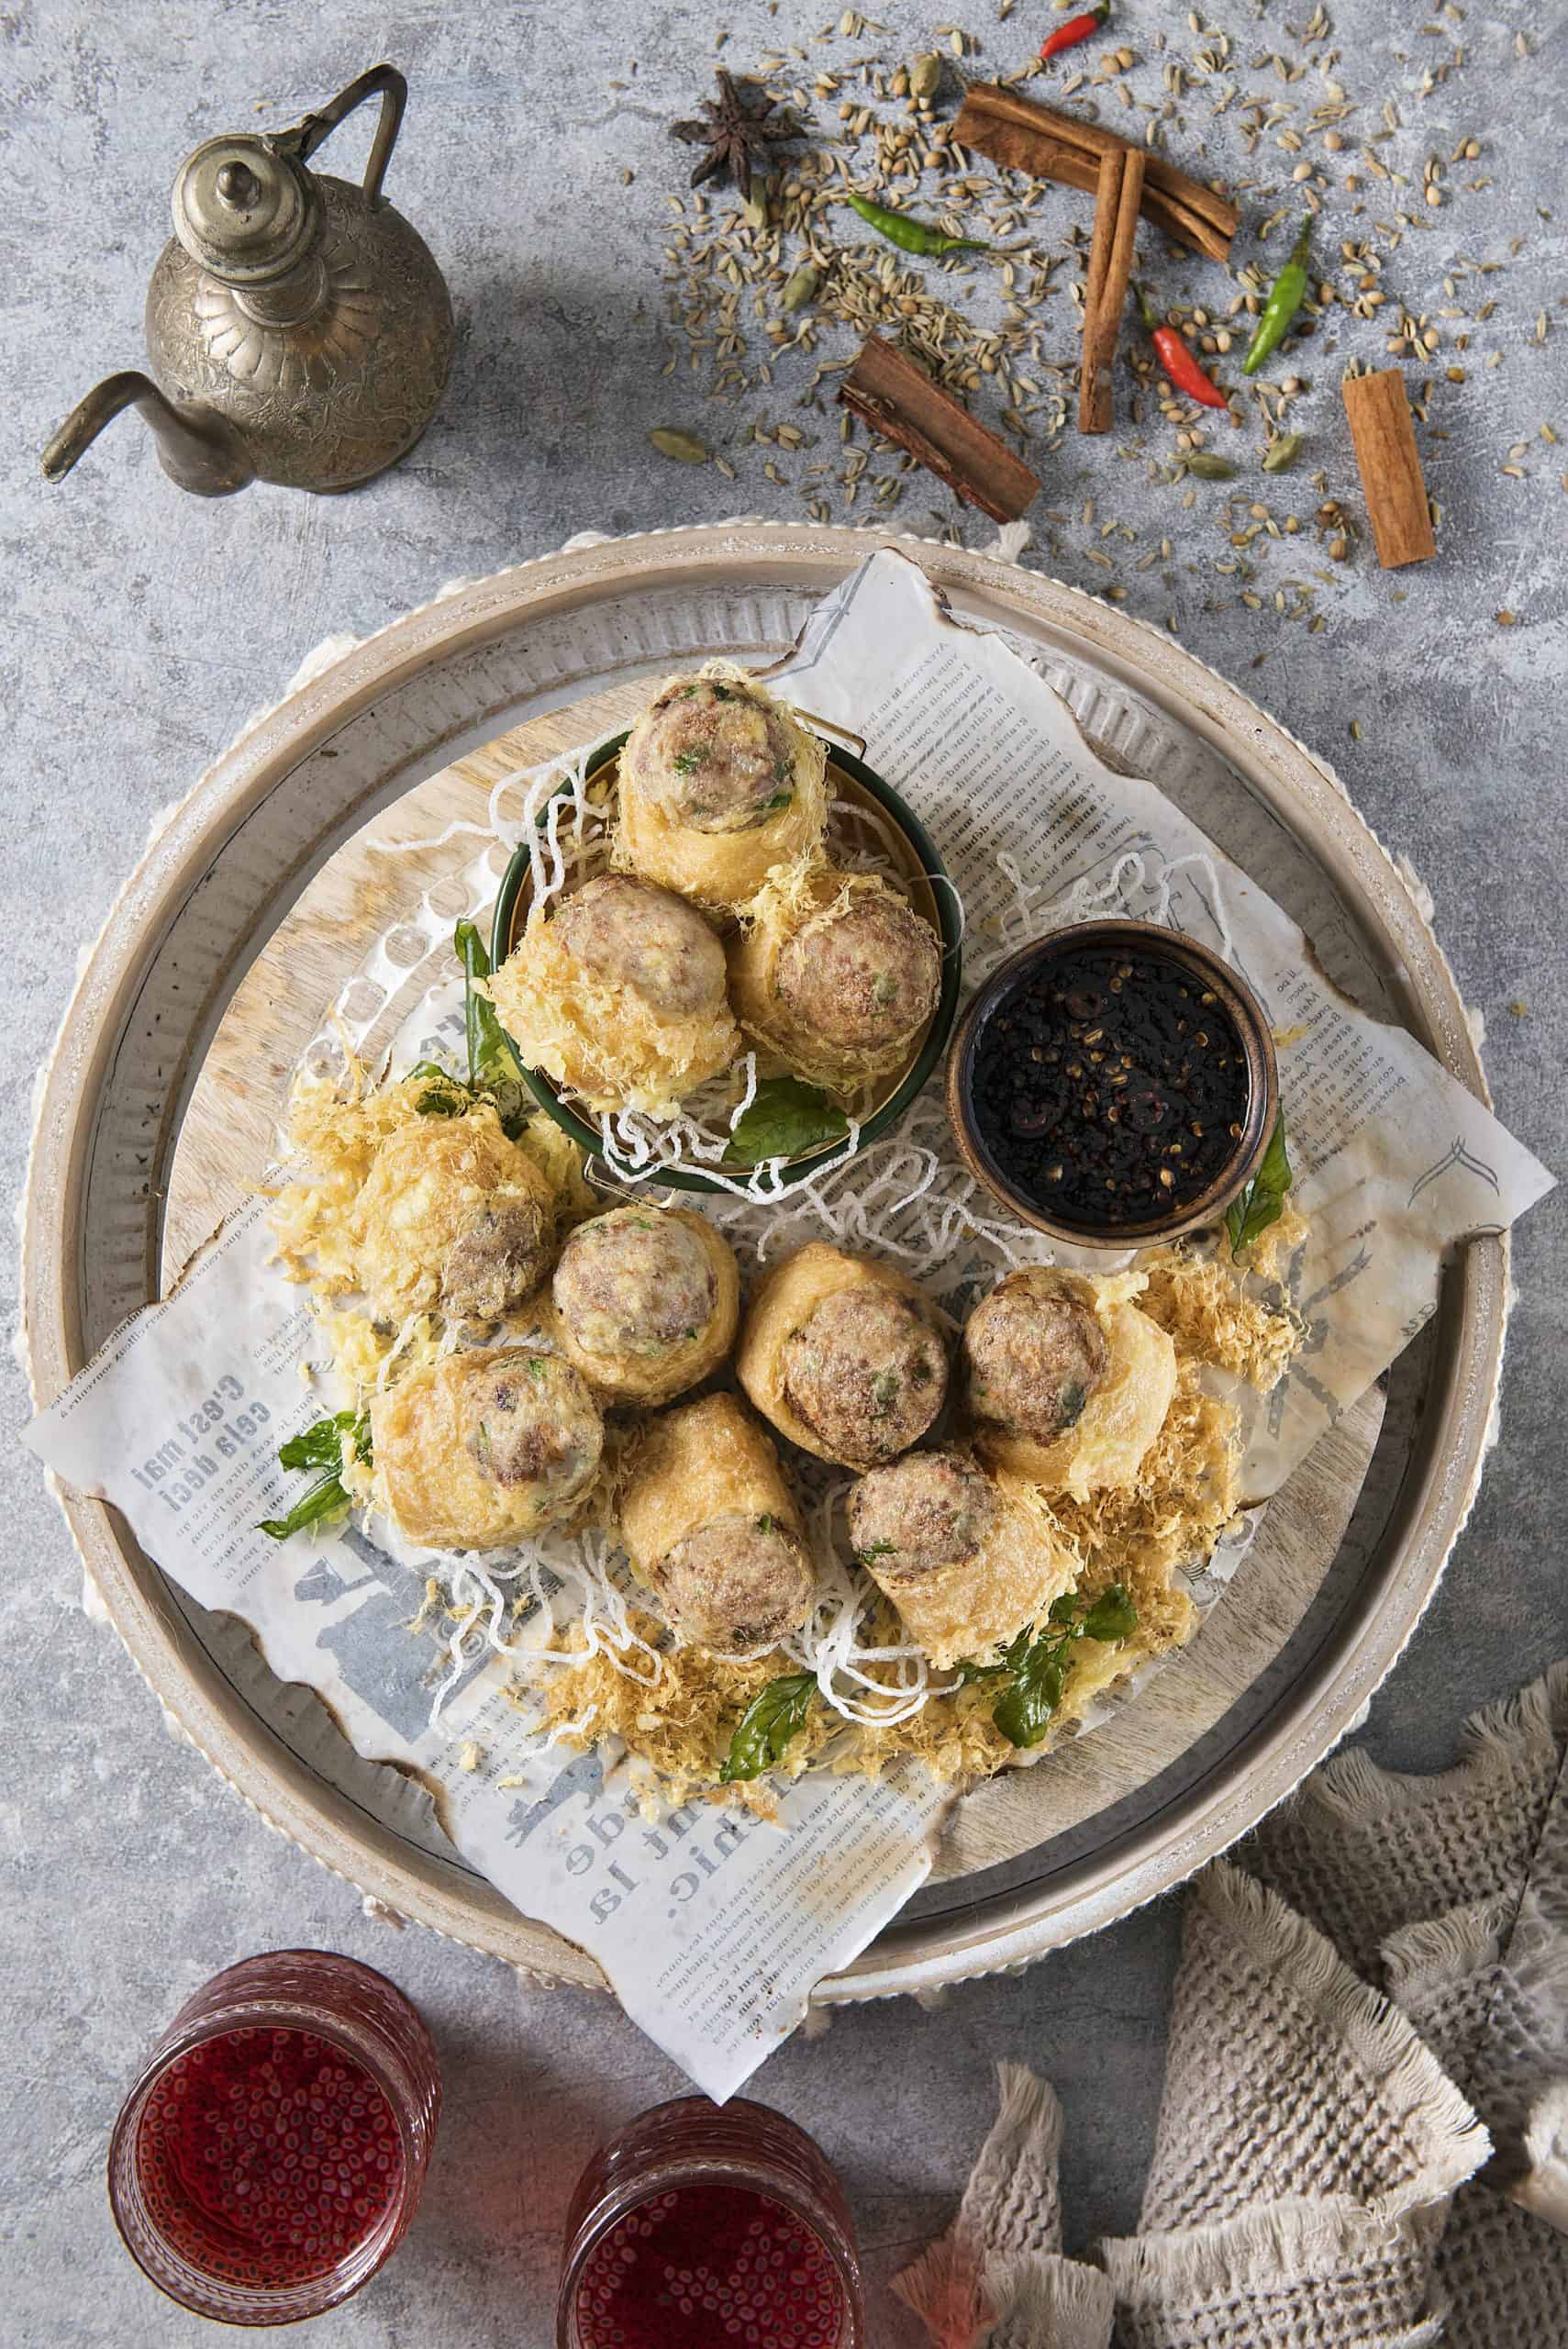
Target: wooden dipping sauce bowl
{"x":1138,"y":942}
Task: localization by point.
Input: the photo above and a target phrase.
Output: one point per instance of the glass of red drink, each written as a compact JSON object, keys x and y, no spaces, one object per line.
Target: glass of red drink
{"x":271,"y":2155}
{"x":709,"y":2227}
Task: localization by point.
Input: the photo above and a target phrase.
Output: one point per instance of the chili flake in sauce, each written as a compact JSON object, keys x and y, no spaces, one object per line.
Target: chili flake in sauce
{"x":1109,"y":1087}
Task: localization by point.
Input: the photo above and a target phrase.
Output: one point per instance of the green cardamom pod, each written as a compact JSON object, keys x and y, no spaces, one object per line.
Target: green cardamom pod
{"x":1282,"y":453}
{"x":683,"y":446}
{"x":923,"y":75}
{"x":1209,"y":468}
{"x":801,"y":287}
{"x":754,"y":211}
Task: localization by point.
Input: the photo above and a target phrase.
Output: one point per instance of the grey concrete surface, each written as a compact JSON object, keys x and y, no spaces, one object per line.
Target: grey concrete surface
{"x":142,"y":624}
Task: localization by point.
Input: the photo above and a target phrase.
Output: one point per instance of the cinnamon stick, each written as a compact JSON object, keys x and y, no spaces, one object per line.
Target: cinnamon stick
{"x":1117,"y":198}
{"x":1024,"y":136}
{"x":1390,"y":469}
{"x":900,"y":401}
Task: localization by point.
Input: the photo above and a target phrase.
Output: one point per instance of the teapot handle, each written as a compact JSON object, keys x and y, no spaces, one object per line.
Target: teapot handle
{"x":305,"y":136}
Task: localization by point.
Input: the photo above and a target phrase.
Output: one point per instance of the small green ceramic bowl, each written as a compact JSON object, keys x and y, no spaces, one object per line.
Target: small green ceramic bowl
{"x":924,"y":874}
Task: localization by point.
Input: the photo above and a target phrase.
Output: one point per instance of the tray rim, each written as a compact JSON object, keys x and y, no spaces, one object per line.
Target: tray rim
{"x":1006,"y":1934}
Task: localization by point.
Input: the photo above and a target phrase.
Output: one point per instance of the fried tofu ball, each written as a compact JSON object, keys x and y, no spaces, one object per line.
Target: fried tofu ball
{"x":711,"y":1527}
{"x":452,"y":1219}
{"x":867,"y":1373}
{"x":632,"y":935}
{"x":838,"y":978}
{"x":928,"y":1510}
{"x":861,"y":974}
{"x":1066,"y":1385}
{"x":486,"y":1449}
{"x":844,"y":1355}
{"x":719,"y":784}
{"x":618,"y":994}
{"x":968,"y":1559}
{"x":714,"y":754}
{"x":646,"y":1302}
{"x":1035,"y":1353}
{"x":735,"y":1584}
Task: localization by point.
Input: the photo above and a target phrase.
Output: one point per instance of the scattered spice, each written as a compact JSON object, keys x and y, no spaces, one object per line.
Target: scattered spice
{"x":1286,"y":297}
{"x":909,"y":234}
{"x":733,"y":131}
{"x":1385,"y":439}
{"x":902,"y":403}
{"x":1024,"y":136}
{"x":1177,"y":361}
{"x":924,"y":75}
{"x":1118,"y":198}
{"x":1208,"y":467}
{"x":1282,"y":452}
{"x":800,"y":287}
{"x":1076,"y":30}
{"x":685,"y":447}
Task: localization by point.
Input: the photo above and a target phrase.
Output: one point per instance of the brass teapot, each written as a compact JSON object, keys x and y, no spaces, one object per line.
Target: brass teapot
{"x":297,"y":328}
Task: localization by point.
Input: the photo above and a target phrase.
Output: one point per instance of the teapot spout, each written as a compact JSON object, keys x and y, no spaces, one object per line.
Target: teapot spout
{"x":196,"y":446}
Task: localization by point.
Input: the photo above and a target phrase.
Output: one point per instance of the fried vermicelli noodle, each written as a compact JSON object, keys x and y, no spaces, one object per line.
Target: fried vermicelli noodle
{"x":944,"y":1453}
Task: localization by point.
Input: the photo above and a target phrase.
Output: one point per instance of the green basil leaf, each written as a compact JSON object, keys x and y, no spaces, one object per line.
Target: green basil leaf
{"x":491,"y":1060}
{"x":513,"y":1105}
{"x":471,"y":950}
{"x":775,"y":1715}
{"x":1262,"y":1203}
{"x":784,"y":1119}
{"x":1012,"y":1658}
{"x":324,"y":1501}
{"x":1024,"y":1714}
{"x":1113,"y":1616}
{"x":321,"y":1445}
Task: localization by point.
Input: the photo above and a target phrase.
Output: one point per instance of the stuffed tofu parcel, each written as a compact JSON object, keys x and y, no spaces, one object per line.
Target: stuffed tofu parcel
{"x":749,"y":1478}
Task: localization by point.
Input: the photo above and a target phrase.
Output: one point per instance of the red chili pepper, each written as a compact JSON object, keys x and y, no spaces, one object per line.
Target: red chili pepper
{"x":1075,"y":29}
{"x":1177,"y":359}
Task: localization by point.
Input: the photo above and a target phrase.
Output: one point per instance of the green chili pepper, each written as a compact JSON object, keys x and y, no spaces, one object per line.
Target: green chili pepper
{"x":1286,"y":297}
{"x":912,"y":236}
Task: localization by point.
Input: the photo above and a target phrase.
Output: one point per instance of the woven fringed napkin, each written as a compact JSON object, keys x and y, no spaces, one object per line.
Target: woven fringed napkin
{"x":1364,"y":1851}
{"x":1306,"y":2145}
{"x":1501,"y":2271}
{"x":1316,"y":2181}
{"x":998,"y":2275}
{"x":1521,"y":2063}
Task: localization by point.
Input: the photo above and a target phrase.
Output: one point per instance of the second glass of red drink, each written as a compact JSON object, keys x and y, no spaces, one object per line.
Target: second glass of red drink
{"x":702,"y":2227}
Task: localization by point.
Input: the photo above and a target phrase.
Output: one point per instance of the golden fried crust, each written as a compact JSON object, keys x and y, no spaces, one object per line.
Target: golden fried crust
{"x":800,"y":987}
{"x":485,"y":1449}
{"x":658,"y":1377}
{"x":784,"y":1303}
{"x":717,"y":869}
{"x":435,"y":1189}
{"x":1121,"y":1419}
{"x":968,"y":1608}
{"x":693,"y":1465}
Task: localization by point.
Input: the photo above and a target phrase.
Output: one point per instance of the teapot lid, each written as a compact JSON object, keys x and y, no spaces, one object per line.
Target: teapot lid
{"x":245,"y":211}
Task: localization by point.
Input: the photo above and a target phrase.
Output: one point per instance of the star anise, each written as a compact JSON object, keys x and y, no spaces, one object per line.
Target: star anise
{"x":732,"y":133}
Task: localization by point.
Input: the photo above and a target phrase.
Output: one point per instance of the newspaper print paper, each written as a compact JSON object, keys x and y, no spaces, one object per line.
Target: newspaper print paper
{"x":713,"y":1929}
{"x":1393,"y":1160}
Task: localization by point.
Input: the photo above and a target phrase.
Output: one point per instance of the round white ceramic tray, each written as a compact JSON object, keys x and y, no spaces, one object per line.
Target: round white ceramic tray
{"x":1284,"y":1665}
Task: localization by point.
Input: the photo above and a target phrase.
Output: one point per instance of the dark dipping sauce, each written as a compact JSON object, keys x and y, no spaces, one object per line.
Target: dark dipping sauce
{"x":1109,"y":1087}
